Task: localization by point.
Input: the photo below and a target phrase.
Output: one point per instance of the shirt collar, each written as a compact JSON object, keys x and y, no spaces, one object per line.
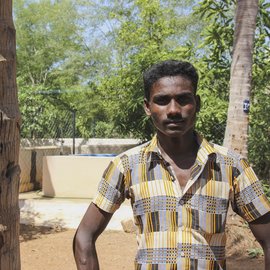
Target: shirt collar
{"x":205,"y":149}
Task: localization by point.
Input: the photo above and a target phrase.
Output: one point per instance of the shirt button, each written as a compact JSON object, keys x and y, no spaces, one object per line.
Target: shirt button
{"x":181,"y":202}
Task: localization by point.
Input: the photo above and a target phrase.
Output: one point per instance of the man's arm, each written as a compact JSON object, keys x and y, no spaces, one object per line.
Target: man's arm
{"x":261,"y":230}
{"x":92,"y":225}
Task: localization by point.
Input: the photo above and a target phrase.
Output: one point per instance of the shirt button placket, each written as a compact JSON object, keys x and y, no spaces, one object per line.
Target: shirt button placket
{"x":182,"y":202}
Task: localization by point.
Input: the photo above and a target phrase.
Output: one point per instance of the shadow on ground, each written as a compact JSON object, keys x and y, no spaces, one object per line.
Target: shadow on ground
{"x":31,"y":232}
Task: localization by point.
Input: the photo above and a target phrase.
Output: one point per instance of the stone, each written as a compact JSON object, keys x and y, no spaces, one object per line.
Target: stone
{"x":128,"y":226}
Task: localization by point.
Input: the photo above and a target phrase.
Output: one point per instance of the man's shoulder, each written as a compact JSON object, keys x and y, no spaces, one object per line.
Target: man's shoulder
{"x":140,"y":149}
{"x":225,"y":153}
{"x":132,"y":156}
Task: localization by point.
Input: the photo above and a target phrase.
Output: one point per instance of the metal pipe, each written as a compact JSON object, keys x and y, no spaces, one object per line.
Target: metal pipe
{"x":74,"y":130}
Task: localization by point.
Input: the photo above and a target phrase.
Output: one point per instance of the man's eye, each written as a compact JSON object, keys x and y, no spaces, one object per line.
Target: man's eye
{"x":161,"y":100}
{"x":184,"y":100}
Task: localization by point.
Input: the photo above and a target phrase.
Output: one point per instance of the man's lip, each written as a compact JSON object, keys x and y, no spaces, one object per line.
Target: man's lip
{"x":174,"y":122}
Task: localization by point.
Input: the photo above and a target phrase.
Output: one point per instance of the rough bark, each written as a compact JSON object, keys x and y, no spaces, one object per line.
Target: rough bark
{"x":9,"y":143}
{"x":236,"y":134}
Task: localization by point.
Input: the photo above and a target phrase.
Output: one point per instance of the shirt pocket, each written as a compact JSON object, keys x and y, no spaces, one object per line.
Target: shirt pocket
{"x":153,"y":196}
{"x":209,"y":206}
{"x":210,"y":222}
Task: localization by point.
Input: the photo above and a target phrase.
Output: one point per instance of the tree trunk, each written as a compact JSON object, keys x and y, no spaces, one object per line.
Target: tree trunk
{"x":9,"y":143}
{"x":236,"y":134}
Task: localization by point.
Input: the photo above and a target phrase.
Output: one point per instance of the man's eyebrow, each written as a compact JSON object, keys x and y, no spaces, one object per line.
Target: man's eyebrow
{"x":179,"y":95}
{"x":161,"y":95}
{"x":186,"y":93}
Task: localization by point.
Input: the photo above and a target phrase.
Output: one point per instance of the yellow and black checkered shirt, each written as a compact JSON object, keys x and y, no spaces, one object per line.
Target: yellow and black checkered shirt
{"x":182,"y":229}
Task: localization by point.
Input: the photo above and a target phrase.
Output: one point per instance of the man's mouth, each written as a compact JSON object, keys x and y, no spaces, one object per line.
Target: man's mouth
{"x":174,"y":121}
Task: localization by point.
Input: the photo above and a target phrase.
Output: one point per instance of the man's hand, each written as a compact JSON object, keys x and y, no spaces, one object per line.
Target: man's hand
{"x":92,"y":225}
{"x":261,"y":230}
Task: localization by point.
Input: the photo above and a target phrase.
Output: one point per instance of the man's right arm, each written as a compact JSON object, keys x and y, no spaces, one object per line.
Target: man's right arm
{"x":92,"y":225}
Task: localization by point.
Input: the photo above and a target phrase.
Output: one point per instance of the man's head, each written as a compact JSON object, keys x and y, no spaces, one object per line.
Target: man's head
{"x":170,"y":97}
{"x":166,"y":69}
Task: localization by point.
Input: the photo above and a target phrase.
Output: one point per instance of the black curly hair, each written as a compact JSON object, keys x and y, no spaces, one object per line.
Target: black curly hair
{"x":169,"y":68}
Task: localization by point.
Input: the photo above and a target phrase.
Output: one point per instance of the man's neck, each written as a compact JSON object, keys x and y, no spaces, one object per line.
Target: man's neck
{"x":182,"y":146}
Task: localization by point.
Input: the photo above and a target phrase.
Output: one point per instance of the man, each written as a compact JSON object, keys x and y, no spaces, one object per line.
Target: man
{"x":179,"y":184}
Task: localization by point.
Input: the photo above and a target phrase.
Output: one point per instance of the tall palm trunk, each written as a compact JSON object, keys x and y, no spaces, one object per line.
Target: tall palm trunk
{"x":9,"y":143}
{"x":236,"y":134}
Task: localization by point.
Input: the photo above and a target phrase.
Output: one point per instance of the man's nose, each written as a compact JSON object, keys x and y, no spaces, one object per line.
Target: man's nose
{"x":174,"y":107}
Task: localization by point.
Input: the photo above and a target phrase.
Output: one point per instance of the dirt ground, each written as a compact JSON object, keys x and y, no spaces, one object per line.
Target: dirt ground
{"x":44,"y":248}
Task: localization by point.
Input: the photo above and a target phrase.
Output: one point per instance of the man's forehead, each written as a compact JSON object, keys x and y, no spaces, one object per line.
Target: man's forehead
{"x":175,"y":77}
{"x":172,"y":84}
{"x":173,"y":81}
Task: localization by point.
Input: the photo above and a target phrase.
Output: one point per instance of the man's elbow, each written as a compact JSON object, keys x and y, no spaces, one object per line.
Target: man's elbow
{"x":83,"y":246}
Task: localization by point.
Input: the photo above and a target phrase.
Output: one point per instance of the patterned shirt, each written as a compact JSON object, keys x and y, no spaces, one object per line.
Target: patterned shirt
{"x":182,"y":229}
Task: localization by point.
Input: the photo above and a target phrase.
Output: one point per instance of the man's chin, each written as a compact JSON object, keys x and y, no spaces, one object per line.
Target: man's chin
{"x":175,"y":133}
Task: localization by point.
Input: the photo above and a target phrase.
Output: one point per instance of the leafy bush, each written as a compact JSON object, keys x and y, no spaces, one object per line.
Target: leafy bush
{"x":212,"y":117}
{"x":259,"y":135}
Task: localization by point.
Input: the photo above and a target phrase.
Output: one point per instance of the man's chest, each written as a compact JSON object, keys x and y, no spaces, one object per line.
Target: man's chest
{"x":181,"y":175}
{"x":157,"y":195}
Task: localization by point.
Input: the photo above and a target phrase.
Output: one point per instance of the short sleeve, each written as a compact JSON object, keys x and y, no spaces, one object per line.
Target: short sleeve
{"x":250,"y":202}
{"x":111,"y":188}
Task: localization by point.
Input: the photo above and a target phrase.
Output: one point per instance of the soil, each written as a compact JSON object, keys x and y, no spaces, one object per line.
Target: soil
{"x":44,"y":248}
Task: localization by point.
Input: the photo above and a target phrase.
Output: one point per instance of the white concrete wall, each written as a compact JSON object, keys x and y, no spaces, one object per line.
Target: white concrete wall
{"x":32,"y":153}
{"x":72,"y":176}
{"x":30,"y":161}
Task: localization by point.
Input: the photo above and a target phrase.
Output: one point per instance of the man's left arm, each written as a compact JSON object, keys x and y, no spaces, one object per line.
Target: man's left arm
{"x":261,"y":230}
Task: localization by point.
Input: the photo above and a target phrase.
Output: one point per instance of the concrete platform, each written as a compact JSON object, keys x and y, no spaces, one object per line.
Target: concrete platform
{"x":38,"y":210}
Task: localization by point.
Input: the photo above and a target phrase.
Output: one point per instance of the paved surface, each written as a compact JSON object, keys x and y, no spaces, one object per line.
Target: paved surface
{"x":38,"y":210}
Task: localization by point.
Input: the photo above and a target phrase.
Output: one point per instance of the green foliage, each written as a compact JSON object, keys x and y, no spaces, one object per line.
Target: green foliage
{"x":146,"y":34}
{"x":259,"y":135}
{"x":213,"y":63}
{"x":53,"y":53}
{"x":259,"y":140}
{"x":40,"y":118}
{"x":93,"y":116}
{"x":217,"y":42}
{"x":211,"y":120}
{"x":266,"y":189}
{"x":46,"y":37}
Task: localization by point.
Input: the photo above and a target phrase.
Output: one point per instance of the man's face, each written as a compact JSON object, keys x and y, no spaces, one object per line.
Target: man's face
{"x":172,"y":106}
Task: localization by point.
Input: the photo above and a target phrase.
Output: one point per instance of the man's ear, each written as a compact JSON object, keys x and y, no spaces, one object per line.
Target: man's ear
{"x":198,"y":103}
{"x":146,"y":107}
